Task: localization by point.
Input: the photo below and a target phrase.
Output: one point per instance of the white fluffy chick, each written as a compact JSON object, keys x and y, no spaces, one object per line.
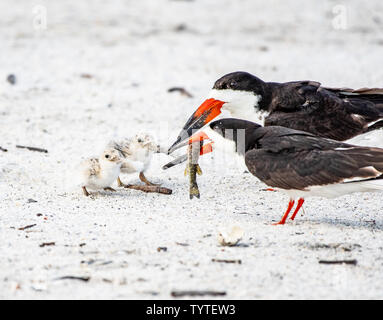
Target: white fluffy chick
{"x":100,"y":173}
{"x":136,"y":153}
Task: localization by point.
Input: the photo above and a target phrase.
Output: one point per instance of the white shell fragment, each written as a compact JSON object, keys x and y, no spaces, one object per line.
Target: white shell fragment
{"x":230,"y":236}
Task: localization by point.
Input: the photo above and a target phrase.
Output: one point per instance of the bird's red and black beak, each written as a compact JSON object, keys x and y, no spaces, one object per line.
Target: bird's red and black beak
{"x":205,"y":113}
{"x":206,"y":148}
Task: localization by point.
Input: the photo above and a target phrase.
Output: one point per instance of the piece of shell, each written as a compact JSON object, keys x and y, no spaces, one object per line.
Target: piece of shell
{"x":230,"y":236}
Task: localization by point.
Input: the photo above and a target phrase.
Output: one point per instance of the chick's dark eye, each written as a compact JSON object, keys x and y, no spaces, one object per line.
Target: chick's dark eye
{"x":107,"y":156}
{"x":139,"y":140}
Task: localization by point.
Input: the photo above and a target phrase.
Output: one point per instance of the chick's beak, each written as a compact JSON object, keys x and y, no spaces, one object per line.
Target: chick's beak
{"x":205,"y":113}
{"x":116,"y":159}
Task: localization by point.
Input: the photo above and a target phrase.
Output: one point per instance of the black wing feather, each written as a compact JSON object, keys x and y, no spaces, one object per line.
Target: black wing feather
{"x":338,"y":114}
{"x":299,"y":160}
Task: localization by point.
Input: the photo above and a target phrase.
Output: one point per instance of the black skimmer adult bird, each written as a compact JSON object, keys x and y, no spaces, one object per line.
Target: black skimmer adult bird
{"x":334,"y":113}
{"x":300,"y":163}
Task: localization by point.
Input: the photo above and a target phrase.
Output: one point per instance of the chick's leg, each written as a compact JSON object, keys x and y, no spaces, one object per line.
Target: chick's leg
{"x":146,"y":181}
{"x":86,"y":193}
{"x":120,"y":183}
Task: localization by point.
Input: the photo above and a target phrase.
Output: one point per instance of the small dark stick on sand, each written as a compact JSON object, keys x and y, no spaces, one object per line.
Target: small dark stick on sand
{"x":183,"y":91}
{"x":227,"y":261}
{"x":155,"y":189}
{"x":85,"y":279}
{"x":32,"y":148}
{"x":4,"y":150}
{"x":353,"y":262}
{"x":44,"y":244}
{"x":27,"y":227}
{"x":86,"y":75}
{"x":194,"y":293}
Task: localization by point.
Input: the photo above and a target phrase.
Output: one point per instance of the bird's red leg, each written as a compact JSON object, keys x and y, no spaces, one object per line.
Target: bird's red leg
{"x":283,"y":220}
{"x":299,"y":205}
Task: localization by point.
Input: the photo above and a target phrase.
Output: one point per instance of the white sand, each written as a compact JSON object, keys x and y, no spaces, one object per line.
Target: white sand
{"x":134,"y":55}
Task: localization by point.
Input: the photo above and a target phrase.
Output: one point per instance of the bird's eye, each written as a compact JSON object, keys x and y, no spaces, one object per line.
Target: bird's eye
{"x":139,"y":140}
{"x":107,"y":156}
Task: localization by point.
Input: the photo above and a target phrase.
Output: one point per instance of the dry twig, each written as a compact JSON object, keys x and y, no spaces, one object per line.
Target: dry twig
{"x":32,"y":148}
{"x":155,"y":189}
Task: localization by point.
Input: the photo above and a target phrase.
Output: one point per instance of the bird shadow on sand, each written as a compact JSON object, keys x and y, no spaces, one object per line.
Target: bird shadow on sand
{"x":357,"y":224}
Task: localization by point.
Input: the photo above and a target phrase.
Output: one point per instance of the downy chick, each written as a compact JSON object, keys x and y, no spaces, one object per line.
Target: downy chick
{"x":136,"y":153}
{"x":100,"y":173}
